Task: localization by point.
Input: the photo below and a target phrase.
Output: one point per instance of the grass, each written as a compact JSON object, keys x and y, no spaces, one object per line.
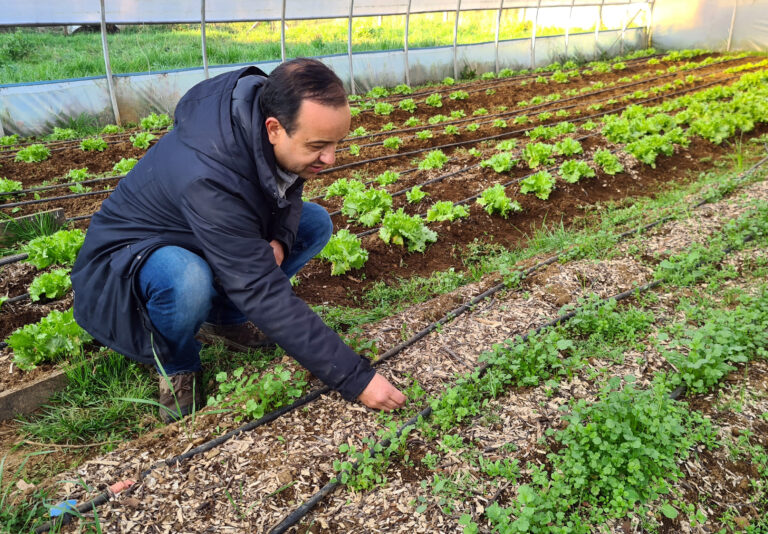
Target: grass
{"x":28,"y":55}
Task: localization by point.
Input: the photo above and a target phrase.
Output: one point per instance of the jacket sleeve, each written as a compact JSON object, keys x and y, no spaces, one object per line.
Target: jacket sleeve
{"x":231,"y":238}
{"x":288,"y":223}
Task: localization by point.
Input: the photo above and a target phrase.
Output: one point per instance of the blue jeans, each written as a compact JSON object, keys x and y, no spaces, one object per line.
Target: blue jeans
{"x":179,"y":291}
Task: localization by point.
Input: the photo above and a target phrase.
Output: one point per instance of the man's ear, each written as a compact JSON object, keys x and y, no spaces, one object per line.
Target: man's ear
{"x":273,"y":129}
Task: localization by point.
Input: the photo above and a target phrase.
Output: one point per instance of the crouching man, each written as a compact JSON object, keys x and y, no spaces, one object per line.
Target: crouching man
{"x":201,"y":238}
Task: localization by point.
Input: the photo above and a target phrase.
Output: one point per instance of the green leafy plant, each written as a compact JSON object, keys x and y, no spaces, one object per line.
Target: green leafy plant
{"x":253,"y":396}
{"x":445,"y":210}
{"x":490,"y":92}
{"x":387,"y":177}
{"x":435,"y":100}
{"x":142,"y":139}
{"x":411,"y":122}
{"x":93,"y":143}
{"x":52,"y":285}
{"x":358,"y":132}
{"x":9,"y":140}
{"x":451,"y":130}
{"x":9,"y":186}
{"x":458,"y":114}
{"x":62,"y":134}
{"x":402,"y":89}
{"x":495,"y":200}
{"x":400,"y":228}
{"x":415,"y":194}
{"x":377,"y":92}
{"x":424,"y":134}
{"x":574,"y":170}
{"x":506,"y":145}
{"x":540,"y":184}
{"x":407,"y":104}
{"x":354,"y":111}
{"x":475,"y":153}
{"x":501,"y":162}
{"x":354,"y":150}
{"x":111,"y":129}
{"x":393,"y":143}
{"x":124,"y":166}
{"x":59,"y":248}
{"x":448,"y":81}
{"x":538,"y":154}
{"x":435,"y":159}
{"x":480,"y":111}
{"x":154,"y":121}
{"x":77,"y":175}
{"x":437,"y":119}
{"x":383,"y":108}
{"x":33,"y":154}
{"x":387,"y":127}
{"x":367,"y":207}
{"x":499,"y":123}
{"x":568,"y":147}
{"x":344,"y":250}
{"x":55,"y":335}
{"x":608,"y":162}
{"x":522,"y":119}
{"x":459,"y":95}
{"x":342,"y":187}
{"x":473,"y":127}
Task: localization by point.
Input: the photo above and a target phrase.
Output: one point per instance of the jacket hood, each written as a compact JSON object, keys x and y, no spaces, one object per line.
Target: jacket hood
{"x":220,"y":118}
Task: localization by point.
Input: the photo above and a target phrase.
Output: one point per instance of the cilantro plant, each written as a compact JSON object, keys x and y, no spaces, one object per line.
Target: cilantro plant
{"x":540,"y":184}
{"x":415,"y":194}
{"x":501,"y":162}
{"x":401,"y":228}
{"x":538,"y":154}
{"x":154,"y":121}
{"x":495,"y":200}
{"x":342,"y":187}
{"x":408,"y":105}
{"x":393,"y":143}
{"x":55,"y":335}
{"x":52,"y":285}
{"x":59,"y":248}
{"x":344,"y":250}
{"x":93,"y":143}
{"x":574,"y":170}
{"x":383,"y":108}
{"x":368,"y":206}
{"x":435,"y":159}
{"x":387,"y":177}
{"x":124,"y":166}
{"x":608,"y":162}
{"x":435,"y":100}
{"x":33,"y":154}
{"x":445,"y":210}
{"x":142,"y":140}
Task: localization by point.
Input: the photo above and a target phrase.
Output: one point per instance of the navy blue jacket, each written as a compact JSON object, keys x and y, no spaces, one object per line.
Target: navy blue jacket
{"x":209,"y":186}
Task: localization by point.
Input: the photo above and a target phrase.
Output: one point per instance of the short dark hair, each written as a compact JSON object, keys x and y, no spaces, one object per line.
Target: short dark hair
{"x":296,"y":80}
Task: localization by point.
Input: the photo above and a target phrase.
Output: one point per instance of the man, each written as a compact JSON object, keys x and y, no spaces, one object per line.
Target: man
{"x":208,"y":228}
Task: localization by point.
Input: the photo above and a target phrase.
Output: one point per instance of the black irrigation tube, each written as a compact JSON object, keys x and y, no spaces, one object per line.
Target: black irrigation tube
{"x":307,"y":506}
{"x":529,"y":109}
{"x":75,"y":143}
{"x":62,"y":185}
{"x":51,"y":199}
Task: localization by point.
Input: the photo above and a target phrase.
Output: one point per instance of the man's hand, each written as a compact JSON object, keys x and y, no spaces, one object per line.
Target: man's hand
{"x":381,"y":395}
{"x":277,"y":248}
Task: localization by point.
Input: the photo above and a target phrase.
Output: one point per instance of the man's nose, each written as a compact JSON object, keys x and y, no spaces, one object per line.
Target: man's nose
{"x":328,"y":155}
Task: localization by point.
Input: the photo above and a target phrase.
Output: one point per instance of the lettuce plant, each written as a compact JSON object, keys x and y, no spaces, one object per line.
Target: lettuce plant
{"x":608,"y":162}
{"x":435,"y":100}
{"x":342,"y":187}
{"x":383,"y":108}
{"x":415,"y":194}
{"x":344,"y":250}
{"x":142,"y":140}
{"x":495,"y":200}
{"x":367,"y":207}
{"x":124,"y":165}
{"x":392,"y":143}
{"x":574,"y":170}
{"x":52,"y":285}
{"x":93,"y":143}
{"x":501,"y":162}
{"x":540,"y":184}
{"x":53,"y":336}
{"x":401,"y":228}
{"x":435,"y":159}
{"x":59,"y":248}
{"x":408,"y":105}
{"x":387,"y":177}
{"x":445,"y":210}
{"x":538,"y":154}
{"x":154,"y":121}
{"x":33,"y":154}
{"x":9,"y":186}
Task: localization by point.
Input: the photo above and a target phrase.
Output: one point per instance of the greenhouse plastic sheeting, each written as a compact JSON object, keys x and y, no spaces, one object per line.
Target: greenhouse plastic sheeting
{"x":53,"y":12}
{"x":707,"y":23}
{"x":33,"y":109}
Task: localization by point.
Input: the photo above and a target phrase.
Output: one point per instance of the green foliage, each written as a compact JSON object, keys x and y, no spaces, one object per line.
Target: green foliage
{"x":424,"y":134}
{"x":55,"y":335}
{"x":473,"y":127}
{"x":400,"y":228}
{"x":495,"y":200}
{"x":480,"y":111}
{"x":608,"y":162}
{"x":500,"y":162}
{"x":387,"y":177}
{"x":411,"y":122}
{"x":574,"y":170}
{"x":402,"y":89}
{"x":435,"y":100}
{"x":568,"y":147}
{"x":499,"y":123}
{"x":354,"y":111}
{"x":437,"y":119}
{"x":344,"y":251}
{"x":59,"y":248}
{"x":589,"y":126}
{"x":448,"y":81}
{"x":142,"y":139}
{"x":368,"y":206}
{"x":253,"y":396}
{"x":111,"y":129}
{"x":354,"y":150}
{"x":435,"y":159}
{"x":451,"y":130}
{"x":383,"y":108}
{"x":77,"y":175}
{"x":387,"y":127}
{"x":377,"y":92}
{"x":62,"y":134}
{"x":407,"y":104}
{"x":393,"y":143}
{"x":9,"y":140}
{"x":538,"y":154}
{"x":9,"y":186}
{"x":415,"y":194}
{"x":506,"y":145}
{"x":154,"y":121}
{"x":445,"y":210}
{"x":522,"y":119}
{"x":358,"y":132}
{"x":342,"y":187}
{"x":93,"y":143}
{"x":33,"y":154}
{"x":541,"y":184}
{"x":53,"y":285}
{"x":124,"y":166}
{"x":364,"y":469}
{"x":459,"y":95}
{"x":458,"y":114}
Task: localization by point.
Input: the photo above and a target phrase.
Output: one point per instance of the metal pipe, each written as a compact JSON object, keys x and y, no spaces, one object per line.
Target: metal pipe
{"x":202,"y":34}
{"x":407,"y":22}
{"x":597,"y":27}
{"x":649,"y":24}
{"x":496,"y":37}
{"x":349,"y":48}
{"x":623,"y":31}
{"x":568,"y":27}
{"x":107,"y":65}
{"x":282,"y":34}
{"x":730,"y":30}
{"x":455,"y":40}
{"x":533,"y":35}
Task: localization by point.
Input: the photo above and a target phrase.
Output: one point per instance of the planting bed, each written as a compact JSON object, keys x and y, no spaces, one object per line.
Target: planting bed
{"x":253,"y":480}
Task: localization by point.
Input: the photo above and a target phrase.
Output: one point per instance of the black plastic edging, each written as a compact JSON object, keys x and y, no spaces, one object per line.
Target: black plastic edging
{"x":103,"y":497}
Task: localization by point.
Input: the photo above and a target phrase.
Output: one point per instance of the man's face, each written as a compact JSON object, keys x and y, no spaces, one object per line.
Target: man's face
{"x":312,"y":146}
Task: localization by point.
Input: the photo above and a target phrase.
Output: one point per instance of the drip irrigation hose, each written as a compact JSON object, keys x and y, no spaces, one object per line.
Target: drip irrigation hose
{"x":51,"y":199}
{"x":104,"y":497}
{"x":63,"y":185}
{"x":74,"y":143}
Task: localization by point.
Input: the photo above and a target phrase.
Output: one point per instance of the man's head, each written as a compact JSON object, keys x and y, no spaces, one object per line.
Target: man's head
{"x":306,"y":115}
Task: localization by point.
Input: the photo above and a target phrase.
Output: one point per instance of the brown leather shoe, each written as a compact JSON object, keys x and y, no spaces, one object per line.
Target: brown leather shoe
{"x":183,"y":396}
{"x":240,"y":337}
